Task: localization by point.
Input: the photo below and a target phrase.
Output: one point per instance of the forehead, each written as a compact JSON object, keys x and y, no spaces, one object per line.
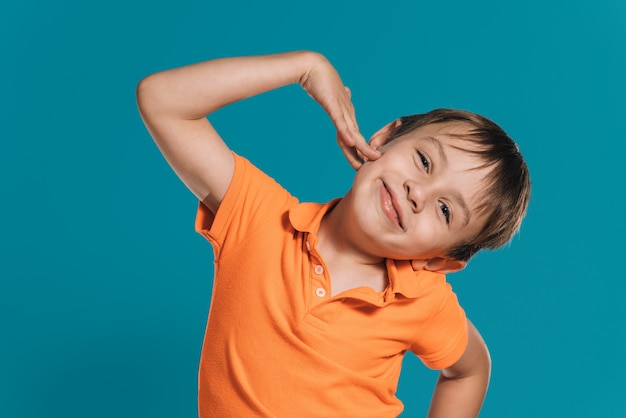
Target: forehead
{"x":446,"y":131}
{"x":449,"y":141}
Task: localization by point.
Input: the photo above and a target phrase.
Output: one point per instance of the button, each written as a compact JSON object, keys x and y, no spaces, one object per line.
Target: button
{"x":318,"y":269}
{"x":320,"y":292}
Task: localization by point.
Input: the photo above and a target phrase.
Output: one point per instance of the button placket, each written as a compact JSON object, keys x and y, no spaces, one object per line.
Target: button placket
{"x":318,"y":279}
{"x":318,"y":271}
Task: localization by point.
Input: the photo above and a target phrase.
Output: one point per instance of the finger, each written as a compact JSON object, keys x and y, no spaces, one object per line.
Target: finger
{"x":418,"y":264}
{"x":353,"y":158}
{"x":359,"y":149}
{"x":364,"y":150}
{"x":378,"y":141}
{"x":350,"y":153}
{"x":348,"y":91}
{"x":353,"y":137}
{"x":348,"y":129}
{"x":344,"y":136}
{"x":353,"y":144}
{"x":346,"y":123}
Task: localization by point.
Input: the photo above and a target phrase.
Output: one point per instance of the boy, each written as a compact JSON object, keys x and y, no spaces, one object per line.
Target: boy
{"x":315,"y":305}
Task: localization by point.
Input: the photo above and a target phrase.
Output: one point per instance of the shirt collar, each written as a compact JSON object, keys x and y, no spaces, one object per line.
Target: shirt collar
{"x":406,"y":281}
{"x":306,"y":217}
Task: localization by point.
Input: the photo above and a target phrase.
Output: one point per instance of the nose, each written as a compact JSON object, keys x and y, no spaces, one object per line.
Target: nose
{"x":416,"y":195}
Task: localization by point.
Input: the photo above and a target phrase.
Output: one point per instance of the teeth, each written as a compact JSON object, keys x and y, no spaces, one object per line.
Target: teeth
{"x":397,"y":216}
{"x":391,"y":206}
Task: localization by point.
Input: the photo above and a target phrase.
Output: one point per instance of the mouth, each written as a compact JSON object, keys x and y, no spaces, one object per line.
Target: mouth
{"x":390,"y":206}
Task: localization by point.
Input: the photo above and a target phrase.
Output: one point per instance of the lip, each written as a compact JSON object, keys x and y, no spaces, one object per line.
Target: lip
{"x":390,"y":206}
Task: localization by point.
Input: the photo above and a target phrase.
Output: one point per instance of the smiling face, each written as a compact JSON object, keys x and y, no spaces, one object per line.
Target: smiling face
{"x":420,"y":198}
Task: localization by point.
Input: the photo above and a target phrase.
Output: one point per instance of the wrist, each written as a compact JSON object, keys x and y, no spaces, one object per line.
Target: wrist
{"x":309,"y":60}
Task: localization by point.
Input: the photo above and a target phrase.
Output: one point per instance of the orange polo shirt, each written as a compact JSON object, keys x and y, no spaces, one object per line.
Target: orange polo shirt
{"x":278,"y":345}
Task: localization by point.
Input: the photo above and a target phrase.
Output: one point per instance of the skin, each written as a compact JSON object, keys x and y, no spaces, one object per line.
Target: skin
{"x":413,"y":203}
{"x":174,"y":105}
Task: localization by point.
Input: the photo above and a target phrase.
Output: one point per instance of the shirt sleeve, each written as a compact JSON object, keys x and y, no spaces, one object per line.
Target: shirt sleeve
{"x":443,"y":338}
{"x":251,"y":198}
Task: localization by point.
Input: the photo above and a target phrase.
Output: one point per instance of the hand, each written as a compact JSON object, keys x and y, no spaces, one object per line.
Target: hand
{"x":322,"y":83}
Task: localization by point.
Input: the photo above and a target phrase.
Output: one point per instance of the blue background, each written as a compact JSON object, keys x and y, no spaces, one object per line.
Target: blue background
{"x":105,"y":286}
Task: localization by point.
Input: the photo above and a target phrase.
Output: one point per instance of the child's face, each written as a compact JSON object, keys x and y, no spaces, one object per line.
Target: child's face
{"x":419,"y":199}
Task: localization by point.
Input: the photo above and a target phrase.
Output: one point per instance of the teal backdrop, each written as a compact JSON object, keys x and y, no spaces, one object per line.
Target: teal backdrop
{"x":105,"y":287}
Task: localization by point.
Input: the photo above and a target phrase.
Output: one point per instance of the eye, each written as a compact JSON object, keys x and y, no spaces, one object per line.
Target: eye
{"x":445,"y":210}
{"x":424,"y":161}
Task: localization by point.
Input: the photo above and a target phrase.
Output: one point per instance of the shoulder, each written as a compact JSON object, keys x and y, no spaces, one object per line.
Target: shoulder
{"x":439,"y":321}
{"x":251,"y":199}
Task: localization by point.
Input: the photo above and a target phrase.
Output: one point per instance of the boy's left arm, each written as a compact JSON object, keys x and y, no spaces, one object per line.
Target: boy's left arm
{"x":461,"y":388}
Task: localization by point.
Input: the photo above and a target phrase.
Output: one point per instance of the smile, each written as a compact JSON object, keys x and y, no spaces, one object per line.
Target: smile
{"x":390,"y":206}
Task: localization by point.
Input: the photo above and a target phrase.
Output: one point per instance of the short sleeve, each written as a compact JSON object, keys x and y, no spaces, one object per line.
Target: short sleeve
{"x":443,"y":338}
{"x":251,"y":198}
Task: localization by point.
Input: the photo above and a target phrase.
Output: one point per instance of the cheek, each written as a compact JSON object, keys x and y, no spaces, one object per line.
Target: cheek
{"x":361,"y":177}
{"x":427,"y":234}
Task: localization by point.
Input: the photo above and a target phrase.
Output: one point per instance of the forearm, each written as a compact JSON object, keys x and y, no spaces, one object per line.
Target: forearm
{"x":461,"y":388}
{"x":458,"y":397}
{"x":174,"y":104}
{"x":194,"y":91}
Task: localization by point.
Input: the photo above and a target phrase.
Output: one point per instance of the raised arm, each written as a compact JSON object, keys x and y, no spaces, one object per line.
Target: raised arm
{"x":461,"y":388}
{"x":174,"y":105}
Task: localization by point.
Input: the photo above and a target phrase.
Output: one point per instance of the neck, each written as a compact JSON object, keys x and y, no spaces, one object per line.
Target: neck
{"x":335,"y":242}
{"x":349,"y":264}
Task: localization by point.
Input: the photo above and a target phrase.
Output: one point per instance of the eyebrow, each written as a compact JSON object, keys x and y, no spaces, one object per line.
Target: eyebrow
{"x":437,"y":143}
{"x":467,"y":215}
{"x":466,"y":212}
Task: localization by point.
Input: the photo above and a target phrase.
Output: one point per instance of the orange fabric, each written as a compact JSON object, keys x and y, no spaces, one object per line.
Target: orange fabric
{"x":277,"y":344}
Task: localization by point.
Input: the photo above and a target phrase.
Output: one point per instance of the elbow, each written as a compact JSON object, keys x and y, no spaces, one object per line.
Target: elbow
{"x":145,"y":94}
{"x":487,"y":366}
{"x":482,"y":370}
{"x":151,"y":95}
{"x":484,"y":358}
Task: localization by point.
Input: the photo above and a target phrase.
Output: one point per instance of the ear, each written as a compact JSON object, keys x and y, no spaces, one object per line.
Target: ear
{"x":439,"y":264}
{"x":380,"y":138}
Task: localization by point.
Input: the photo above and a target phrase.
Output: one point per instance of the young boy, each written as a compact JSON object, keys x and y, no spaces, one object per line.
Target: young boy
{"x":315,"y":305}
